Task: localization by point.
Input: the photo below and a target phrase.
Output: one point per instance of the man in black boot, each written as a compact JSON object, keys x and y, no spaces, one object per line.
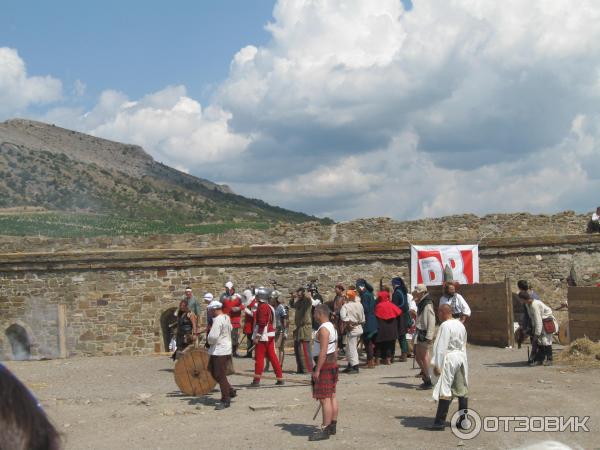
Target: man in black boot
{"x":350,"y":370}
{"x":548,"y":349}
{"x":543,"y":324}
{"x":325,"y":374}
{"x":449,"y":363}
{"x":439,"y":424}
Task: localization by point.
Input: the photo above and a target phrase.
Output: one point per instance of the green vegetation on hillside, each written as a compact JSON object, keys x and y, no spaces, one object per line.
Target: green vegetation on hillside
{"x":88,"y":200}
{"x":59,"y":224}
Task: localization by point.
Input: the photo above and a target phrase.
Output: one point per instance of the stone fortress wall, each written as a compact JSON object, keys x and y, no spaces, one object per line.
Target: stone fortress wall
{"x":106,"y":296}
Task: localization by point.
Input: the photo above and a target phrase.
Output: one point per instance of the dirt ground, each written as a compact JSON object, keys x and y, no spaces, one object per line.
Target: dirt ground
{"x":133,"y":403}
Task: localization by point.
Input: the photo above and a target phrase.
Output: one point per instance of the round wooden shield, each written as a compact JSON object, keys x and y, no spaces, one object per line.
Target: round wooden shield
{"x":564,"y":337}
{"x":191,"y":372}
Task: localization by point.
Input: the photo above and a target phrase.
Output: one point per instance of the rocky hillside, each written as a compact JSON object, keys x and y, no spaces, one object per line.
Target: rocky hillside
{"x":61,"y":170}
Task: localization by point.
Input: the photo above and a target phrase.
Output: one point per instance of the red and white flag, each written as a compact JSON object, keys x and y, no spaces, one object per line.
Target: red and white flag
{"x":427,"y":263}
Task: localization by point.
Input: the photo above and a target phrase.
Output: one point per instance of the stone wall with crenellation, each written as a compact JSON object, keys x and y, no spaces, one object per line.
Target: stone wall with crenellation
{"x":115,"y":297}
{"x":116,"y":289}
{"x":466,"y":227}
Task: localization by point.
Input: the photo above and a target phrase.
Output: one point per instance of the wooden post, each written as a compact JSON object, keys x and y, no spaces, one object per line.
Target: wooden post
{"x":510,"y":312}
{"x":62,"y":330}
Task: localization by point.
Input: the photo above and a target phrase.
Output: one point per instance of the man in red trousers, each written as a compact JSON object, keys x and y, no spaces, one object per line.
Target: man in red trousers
{"x":264,"y":337}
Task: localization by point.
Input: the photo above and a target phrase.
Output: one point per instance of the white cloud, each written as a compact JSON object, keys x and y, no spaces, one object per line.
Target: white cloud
{"x":399,"y":181}
{"x":488,"y":90}
{"x":79,"y":88}
{"x":18,"y":90}
{"x":173,"y":127}
{"x":358,"y":109}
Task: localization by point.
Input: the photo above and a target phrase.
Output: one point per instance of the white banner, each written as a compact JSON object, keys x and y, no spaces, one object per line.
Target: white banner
{"x":427,"y":264}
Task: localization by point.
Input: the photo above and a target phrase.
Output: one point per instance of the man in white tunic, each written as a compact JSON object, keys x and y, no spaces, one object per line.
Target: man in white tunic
{"x":352,"y":315}
{"x":460,"y":307}
{"x":219,"y":360}
{"x":449,"y":362}
{"x":543,"y":325}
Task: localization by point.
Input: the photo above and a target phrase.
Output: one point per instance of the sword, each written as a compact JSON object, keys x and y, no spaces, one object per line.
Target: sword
{"x":317,"y":411}
{"x":312,"y":384}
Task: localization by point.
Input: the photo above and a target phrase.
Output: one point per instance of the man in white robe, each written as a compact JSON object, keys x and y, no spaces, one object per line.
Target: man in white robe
{"x":449,"y":363}
{"x":540,"y":313}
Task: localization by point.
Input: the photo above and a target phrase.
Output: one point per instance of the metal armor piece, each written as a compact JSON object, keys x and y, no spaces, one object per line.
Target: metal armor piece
{"x":263,"y":293}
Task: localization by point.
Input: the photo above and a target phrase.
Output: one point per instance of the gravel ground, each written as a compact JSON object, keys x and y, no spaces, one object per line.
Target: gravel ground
{"x":134,"y":403}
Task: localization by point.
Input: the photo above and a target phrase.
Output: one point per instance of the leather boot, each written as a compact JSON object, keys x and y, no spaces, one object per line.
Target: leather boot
{"x":548,"y":355}
{"x":319,"y":435}
{"x":332,"y":427}
{"x":463,"y":404}
{"x":439,"y":424}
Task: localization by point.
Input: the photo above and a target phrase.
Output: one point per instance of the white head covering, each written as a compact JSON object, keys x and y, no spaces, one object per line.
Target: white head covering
{"x":247,"y":296}
{"x":229,"y":285}
{"x":208,"y":297}
{"x":419,"y":289}
{"x":215,"y":304}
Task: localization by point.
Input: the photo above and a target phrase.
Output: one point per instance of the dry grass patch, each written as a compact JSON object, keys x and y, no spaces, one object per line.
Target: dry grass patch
{"x":581,"y":352}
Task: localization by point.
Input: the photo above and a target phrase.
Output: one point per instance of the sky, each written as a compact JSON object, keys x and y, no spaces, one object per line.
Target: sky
{"x":338,"y":108}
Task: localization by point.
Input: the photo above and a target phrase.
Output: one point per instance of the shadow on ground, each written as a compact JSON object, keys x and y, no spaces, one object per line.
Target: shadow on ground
{"x":204,"y":400}
{"x":297,"y":429}
{"x":419,"y":422}
{"x":508,"y":364}
{"x":399,"y":384}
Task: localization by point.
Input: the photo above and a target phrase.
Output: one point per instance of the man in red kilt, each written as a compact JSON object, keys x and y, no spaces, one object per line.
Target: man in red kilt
{"x":325,"y":373}
{"x":264,"y":338}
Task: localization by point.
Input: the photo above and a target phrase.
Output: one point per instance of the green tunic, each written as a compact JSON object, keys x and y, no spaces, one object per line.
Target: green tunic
{"x":194,"y":305}
{"x":302,"y":319}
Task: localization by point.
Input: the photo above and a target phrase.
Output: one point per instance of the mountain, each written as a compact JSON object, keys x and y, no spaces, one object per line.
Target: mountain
{"x":65,"y":171}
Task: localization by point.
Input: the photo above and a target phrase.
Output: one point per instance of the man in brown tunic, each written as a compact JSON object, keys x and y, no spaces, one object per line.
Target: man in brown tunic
{"x":302,"y":304}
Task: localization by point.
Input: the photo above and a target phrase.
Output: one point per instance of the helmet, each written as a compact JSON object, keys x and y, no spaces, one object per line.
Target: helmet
{"x":263,"y":293}
{"x":275,"y":294}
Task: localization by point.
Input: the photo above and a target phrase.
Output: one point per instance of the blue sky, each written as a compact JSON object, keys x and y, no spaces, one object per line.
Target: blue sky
{"x":135,"y":46}
{"x":340,"y":108}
